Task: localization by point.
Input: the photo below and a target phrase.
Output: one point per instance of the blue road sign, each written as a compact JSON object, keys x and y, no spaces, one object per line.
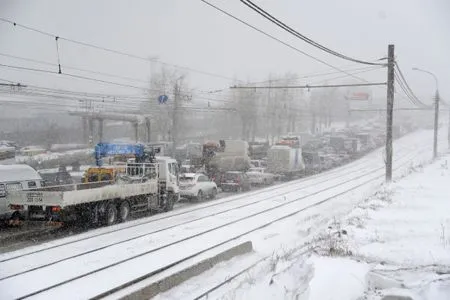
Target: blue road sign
{"x":162,"y":99}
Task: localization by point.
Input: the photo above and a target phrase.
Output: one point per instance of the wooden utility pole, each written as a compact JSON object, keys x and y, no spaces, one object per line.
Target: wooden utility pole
{"x":389,"y":112}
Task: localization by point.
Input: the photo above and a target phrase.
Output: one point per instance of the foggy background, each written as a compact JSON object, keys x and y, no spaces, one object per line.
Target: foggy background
{"x":188,"y":38}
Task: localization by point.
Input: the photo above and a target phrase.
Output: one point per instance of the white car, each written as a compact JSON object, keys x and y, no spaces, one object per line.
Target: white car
{"x":258,"y":163}
{"x":197,"y":186}
{"x":259,"y":176}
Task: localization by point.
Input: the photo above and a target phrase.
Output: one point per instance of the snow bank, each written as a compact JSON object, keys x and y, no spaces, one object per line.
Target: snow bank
{"x":400,"y":237}
{"x":336,"y":279}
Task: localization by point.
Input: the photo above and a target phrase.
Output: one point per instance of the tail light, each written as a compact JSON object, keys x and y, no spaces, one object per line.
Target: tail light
{"x":16,"y":207}
{"x":56,"y":208}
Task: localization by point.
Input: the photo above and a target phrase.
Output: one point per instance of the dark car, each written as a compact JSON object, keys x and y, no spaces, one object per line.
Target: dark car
{"x":235,"y":181}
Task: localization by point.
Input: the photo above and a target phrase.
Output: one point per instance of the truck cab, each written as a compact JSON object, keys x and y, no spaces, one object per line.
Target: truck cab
{"x":168,"y":174}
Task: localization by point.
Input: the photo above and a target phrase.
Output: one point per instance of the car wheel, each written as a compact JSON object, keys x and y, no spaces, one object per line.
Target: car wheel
{"x":111,"y":214}
{"x":214,"y":193}
{"x":200,"y":196}
{"x":124,"y":211}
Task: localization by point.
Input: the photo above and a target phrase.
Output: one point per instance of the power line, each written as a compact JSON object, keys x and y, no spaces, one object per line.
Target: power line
{"x":353,"y":73}
{"x":130,"y":55}
{"x":309,"y":86}
{"x":399,"y":109}
{"x":97,"y":95}
{"x":279,"y":41}
{"x":405,"y":91}
{"x":282,"y":25}
{"x":72,"y":68}
{"x":105,"y":108}
{"x":408,"y":91}
{"x":320,"y":74}
{"x":74,"y":76}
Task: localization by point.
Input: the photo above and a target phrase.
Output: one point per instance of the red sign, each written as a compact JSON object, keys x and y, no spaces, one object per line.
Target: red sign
{"x":359,"y":96}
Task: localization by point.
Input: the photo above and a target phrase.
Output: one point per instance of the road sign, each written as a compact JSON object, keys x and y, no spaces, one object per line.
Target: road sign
{"x":162,"y":99}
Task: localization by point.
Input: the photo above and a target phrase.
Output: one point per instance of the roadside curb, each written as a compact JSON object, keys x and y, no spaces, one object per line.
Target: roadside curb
{"x":177,"y":278}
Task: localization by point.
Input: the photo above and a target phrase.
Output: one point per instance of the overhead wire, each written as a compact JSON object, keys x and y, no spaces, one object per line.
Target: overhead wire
{"x":103,"y":107}
{"x":408,"y":89}
{"x":405,"y":91}
{"x":93,"y":79}
{"x":279,"y":40}
{"x":74,"y":76}
{"x":73,"y":68}
{"x":117,"y":52}
{"x":282,"y":25}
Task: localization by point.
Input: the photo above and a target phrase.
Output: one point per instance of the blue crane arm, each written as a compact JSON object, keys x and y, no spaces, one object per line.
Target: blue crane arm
{"x":106,"y":149}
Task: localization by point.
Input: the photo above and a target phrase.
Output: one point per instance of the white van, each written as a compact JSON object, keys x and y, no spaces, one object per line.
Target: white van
{"x":13,"y":178}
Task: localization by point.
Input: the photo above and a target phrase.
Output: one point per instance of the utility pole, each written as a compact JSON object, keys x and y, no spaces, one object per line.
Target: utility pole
{"x":176,"y":100}
{"x":436,"y":112}
{"x":436,"y":124}
{"x":389,"y":112}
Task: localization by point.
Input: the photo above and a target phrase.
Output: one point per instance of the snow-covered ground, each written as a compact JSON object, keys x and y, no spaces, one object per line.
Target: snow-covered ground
{"x":54,"y":155}
{"x":395,"y":242}
{"x":118,"y":253}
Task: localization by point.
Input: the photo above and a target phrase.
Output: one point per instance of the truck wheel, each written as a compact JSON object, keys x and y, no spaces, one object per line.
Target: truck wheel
{"x":169,"y":202}
{"x":124,"y":211}
{"x":200,"y":196}
{"x":111,"y":214}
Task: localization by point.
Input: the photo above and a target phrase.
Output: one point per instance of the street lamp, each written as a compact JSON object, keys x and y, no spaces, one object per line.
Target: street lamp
{"x":436,"y":112}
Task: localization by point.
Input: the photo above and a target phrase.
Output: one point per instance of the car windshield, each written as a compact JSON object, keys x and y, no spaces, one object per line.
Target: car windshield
{"x":187,"y":178}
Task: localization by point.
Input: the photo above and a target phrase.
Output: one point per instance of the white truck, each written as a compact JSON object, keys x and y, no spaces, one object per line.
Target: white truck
{"x":16,"y":178}
{"x":144,"y":187}
{"x":285,"y":161}
{"x":235,"y":157}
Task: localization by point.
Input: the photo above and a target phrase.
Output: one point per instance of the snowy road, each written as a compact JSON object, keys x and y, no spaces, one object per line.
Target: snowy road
{"x":51,"y":269}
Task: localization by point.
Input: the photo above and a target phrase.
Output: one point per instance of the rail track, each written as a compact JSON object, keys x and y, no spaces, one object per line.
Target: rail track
{"x":279,"y":189}
{"x":256,"y":215}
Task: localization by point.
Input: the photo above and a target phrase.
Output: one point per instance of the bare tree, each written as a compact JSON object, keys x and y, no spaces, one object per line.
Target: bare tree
{"x":171,"y":84}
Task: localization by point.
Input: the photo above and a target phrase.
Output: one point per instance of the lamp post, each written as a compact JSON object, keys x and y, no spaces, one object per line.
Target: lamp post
{"x":436,"y":112}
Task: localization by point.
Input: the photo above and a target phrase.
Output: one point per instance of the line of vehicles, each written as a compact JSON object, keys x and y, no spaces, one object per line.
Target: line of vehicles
{"x":129,"y":179}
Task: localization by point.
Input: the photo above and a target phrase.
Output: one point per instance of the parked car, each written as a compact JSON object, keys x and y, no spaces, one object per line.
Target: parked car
{"x":259,"y":176}
{"x":197,"y":186}
{"x":235,"y":181}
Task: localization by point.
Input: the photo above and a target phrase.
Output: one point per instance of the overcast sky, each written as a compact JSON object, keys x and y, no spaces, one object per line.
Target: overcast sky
{"x":190,"y":33}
